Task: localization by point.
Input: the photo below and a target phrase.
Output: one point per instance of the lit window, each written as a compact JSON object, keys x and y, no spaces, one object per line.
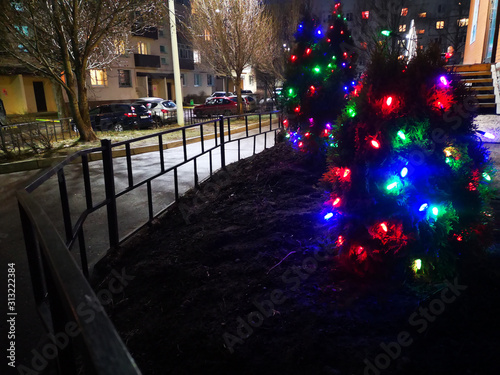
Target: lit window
{"x":98,"y":77}
{"x":196,"y":57}
{"x":422,"y":15}
{"x":207,"y":35}
{"x":142,"y":48}
{"x":402,"y":28}
{"x":421,"y":31}
{"x":463,"y":22}
{"x":120,"y":47}
{"x":124,"y":79}
{"x":440,"y":25}
{"x":365,"y":15}
{"x":404,"y":11}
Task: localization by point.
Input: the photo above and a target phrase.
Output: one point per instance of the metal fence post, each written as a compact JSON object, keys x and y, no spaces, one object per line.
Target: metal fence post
{"x":222,"y":150}
{"x":109,"y":184}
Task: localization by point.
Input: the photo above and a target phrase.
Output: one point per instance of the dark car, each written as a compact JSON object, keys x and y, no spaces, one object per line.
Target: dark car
{"x":120,"y":117}
{"x":216,"y":106}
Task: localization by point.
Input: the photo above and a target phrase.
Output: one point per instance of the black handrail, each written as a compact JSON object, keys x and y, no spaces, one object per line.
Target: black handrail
{"x":59,"y":285}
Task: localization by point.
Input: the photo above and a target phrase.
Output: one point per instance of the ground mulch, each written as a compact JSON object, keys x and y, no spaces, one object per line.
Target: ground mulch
{"x":237,"y":279}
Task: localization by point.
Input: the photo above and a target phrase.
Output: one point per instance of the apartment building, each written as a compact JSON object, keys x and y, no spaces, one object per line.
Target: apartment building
{"x":436,"y":21}
{"x":144,"y":69}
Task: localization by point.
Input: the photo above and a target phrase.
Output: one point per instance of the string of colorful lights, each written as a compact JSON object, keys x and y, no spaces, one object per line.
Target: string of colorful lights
{"x":408,"y":177}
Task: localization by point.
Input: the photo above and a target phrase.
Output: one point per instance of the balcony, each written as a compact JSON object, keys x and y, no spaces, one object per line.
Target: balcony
{"x":187,"y":64}
{"x":150,"y":32}
{"x":147,"y":61}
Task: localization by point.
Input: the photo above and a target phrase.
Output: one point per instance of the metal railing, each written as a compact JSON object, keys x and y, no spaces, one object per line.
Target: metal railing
{"x":59,"y":284}
{"x":34,"y":135}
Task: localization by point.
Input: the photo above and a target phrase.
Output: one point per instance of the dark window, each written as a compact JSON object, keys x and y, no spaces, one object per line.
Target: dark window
{"x":124,"y":79}
{"x":163,"y":49}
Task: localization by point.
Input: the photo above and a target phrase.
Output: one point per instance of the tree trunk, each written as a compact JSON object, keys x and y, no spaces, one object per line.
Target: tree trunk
{"x":80,"y":109}
{"x":237,"y":84}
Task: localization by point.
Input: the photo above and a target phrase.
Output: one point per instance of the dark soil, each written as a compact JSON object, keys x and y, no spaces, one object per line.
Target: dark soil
{"x":235,"y":280}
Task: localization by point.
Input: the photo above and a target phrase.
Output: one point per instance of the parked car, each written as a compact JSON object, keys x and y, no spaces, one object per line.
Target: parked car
{"x":219,"y":94}
{"x":216,"y":106}
{"x":119,"y":117}
{"x":249,"y":102}
{"x":246,"y":92}
{"x":162,"y":110}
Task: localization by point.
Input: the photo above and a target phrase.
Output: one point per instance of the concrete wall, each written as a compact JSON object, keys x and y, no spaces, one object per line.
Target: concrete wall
{"x":18,"y":94}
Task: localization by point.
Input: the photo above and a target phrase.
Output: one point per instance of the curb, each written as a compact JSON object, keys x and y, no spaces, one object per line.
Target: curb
{"x":28,"y":165}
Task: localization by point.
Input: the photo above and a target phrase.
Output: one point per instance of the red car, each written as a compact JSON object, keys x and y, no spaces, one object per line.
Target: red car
{"x":216,"y":106}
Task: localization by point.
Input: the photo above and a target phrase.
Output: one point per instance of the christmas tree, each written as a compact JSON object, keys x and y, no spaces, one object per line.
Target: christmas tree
{"x":408,"y":177}
{"x":318,"y":80}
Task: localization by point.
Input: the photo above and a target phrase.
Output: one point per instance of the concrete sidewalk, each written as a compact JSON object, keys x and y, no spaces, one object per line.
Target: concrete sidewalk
{"x":132,"y":212}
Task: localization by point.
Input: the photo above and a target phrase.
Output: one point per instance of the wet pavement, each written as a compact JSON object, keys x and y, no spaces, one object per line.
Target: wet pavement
{"x":132,"y":212}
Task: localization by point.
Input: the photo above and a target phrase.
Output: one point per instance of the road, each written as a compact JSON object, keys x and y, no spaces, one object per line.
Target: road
{"x":132,"y":210}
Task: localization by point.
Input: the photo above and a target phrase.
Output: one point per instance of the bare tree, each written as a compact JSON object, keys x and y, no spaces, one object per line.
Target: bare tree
{"x":231,"y":35}
{"x":63,"y":39}
{"x":270,"y":71}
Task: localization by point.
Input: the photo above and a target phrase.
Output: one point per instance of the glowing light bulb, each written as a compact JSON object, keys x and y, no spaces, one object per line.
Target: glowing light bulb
{"x":336,"y":202}
{"x":301,"y":144}
{"x":423,"y":207}
{"x":317,"y":69}
{"x":307,"y":134}
{"x":297,"y":109}
{"x":404,"y":172}
{"x":328,"y":216}
{"x":388,"y":102}
{"x":375,"y":143}
{"x":401,"y":135}
{"x":308,"y":51}
{"x":319,"y":32}
{"x":486,"y":176}
{"x":489,"y":135}
{"x":392,"y":186}
{"x":435,"y":211}
{"x":444,"y":81}
{"x":340,"y":240}
{"x":417,"y":265}
{"x":293,"y":57}
{"x":384,"y":227}
{"x":346,"y":173}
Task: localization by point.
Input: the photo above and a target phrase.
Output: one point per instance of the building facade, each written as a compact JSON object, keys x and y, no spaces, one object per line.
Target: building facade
{"x":144,"y":69}
{"x":443,"y":22}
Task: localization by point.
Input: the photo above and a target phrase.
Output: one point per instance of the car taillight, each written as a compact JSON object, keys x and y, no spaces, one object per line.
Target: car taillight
{"x":130,"y":114}
{"x":164,"y":111}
